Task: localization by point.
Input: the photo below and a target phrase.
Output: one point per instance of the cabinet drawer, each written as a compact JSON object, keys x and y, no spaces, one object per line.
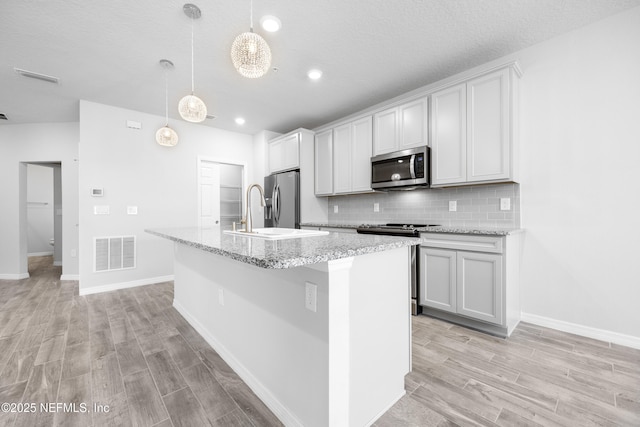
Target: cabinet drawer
{"x":490,"y":244}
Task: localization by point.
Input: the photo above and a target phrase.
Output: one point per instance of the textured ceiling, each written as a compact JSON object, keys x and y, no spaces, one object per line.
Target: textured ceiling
{"x":107,"y":51}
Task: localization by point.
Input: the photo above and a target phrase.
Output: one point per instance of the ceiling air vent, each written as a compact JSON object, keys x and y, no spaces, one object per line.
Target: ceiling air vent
{"x":3,"y":116}
{"x":37,"y":76}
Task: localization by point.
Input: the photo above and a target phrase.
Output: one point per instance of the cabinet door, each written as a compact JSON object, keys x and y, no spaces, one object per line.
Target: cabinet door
{"x":438,"y":279}
{"x":361,"y":146}
{"x":488,"y":122}
{"x":342,"y":159}
{"x":413,"y":124}
{"x":480,"y":286}
{"x":385,"y":136}
{"x":291,"y":152}
{"x":276,"y":155}
{"x":323,"y":163}
{"x":449,"y":136}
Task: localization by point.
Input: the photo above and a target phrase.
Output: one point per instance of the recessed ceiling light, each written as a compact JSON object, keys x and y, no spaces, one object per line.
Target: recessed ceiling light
{"x":314,"y":74}
{"x":270,"y":23}
{"x":240,"y":121}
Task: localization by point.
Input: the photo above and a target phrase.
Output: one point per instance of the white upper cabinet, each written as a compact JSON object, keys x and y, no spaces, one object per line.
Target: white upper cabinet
{"x":343,"y":158}
{"x":449,"y":135}
{"x":473,"y":131}
{"x":361,"y":146}
{"x":323,"y":163}
{"x":284,"y":153}
{"x":401,"y":127}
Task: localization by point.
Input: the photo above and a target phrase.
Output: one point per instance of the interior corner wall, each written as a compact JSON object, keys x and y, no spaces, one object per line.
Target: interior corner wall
{"x":42,"y":142}
{"x":580,"y":180}
{"x":133,"y":170}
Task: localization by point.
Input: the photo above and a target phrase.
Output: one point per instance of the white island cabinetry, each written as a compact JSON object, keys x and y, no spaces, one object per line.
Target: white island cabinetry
{"x":293,"y":318}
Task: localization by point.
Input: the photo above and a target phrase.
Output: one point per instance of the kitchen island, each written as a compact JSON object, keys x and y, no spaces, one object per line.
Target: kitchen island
{"x":318,"y":327}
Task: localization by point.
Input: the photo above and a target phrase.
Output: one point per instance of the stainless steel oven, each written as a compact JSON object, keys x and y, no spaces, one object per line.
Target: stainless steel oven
{"x":410,"y":230}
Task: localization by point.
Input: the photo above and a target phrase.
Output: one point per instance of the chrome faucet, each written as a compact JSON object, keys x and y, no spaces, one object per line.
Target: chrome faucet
{"x":247,"y":220}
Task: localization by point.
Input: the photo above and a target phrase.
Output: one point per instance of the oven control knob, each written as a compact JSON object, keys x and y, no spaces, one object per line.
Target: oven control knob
{"x":395,"y":177}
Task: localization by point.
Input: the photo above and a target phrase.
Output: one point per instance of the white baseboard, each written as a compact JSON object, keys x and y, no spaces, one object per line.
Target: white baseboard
{"x":254,"y":384}
{"x":70,"y":277}
{"x":18,"y":276}
{"x":123,"y":285}
{"x":40,"y":254}
{"x":585,"y":331}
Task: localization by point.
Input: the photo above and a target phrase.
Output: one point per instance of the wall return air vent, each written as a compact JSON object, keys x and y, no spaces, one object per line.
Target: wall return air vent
{"x":114,"y":253}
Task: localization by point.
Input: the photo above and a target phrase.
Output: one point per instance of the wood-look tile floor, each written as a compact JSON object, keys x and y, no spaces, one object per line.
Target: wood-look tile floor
{"x":131,"y":351}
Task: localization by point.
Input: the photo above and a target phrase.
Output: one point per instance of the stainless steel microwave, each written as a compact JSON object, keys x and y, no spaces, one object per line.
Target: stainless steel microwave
{"x":401,"y":170}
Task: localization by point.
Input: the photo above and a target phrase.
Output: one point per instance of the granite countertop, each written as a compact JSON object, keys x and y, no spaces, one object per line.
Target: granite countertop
{"x":448,"y":229}
{"x":286,"y":253}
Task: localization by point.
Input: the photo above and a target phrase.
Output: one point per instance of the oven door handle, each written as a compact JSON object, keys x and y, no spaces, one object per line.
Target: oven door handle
{"x":412,"y":167}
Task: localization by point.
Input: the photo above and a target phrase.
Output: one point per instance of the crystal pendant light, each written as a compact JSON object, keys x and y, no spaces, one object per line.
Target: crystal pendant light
{"x":250,"y":53}
{"x":165,"y":135}
{"x":190,"y":107}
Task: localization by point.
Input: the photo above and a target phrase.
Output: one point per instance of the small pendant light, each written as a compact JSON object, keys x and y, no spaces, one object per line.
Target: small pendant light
{"x":165,"y":135}
{"x":250,"y":53}
{"x":192,"y":108}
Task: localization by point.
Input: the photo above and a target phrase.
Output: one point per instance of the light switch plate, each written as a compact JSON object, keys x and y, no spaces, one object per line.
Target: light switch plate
{"x":453,"y":205}
{"x":132,"y":210}
{"x":101,"y":210}
{"x":335,"y":208}
{"x":376,"y":207}
{"x":505,"y":204}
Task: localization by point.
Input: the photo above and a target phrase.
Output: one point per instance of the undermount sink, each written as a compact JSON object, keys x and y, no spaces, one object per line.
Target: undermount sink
{"x":275,"y":233}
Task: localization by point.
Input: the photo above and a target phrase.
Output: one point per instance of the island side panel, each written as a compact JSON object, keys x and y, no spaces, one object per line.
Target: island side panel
{"x":262,"y":329}
{"x":380,"y":333}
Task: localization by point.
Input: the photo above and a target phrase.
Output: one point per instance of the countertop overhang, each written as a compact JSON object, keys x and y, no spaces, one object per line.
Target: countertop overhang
{"x":279,"y":254}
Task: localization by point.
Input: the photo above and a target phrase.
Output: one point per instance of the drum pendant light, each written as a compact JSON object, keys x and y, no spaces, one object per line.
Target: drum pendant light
{"x":190,"y":107}
{"x":250,"y":53}
{"x":166,"y":136}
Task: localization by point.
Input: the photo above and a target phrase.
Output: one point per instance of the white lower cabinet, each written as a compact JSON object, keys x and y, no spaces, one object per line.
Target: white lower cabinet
{"x":472,"y":280}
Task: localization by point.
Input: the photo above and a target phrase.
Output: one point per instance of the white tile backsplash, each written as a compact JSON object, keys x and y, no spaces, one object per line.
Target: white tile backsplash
{"x":477,"y":206}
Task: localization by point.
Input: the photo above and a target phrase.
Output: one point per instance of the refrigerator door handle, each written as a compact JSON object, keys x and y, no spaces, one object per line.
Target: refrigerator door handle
{"x":277,"y":202}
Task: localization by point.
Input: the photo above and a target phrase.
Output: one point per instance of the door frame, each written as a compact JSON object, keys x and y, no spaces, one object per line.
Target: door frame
{"x":22,"y":220}
{"x":201,"y":159}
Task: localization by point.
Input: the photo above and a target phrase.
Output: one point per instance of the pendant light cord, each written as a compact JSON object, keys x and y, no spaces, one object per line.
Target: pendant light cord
{"x":251,"y":16}
{"x":192,"y":67}
{"x":166,"y":97}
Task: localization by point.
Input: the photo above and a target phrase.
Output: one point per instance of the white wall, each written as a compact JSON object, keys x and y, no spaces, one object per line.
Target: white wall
{"x":44,"y":142}
{"x":39,"y":209}
{"x":580,"y":179}
{"x":134,"y":170}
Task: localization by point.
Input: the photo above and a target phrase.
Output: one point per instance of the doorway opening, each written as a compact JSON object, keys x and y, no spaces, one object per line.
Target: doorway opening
{"x":41,"y":213}
{"x":220,"y":188}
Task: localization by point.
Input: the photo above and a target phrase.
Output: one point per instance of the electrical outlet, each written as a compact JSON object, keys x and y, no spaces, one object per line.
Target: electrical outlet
{"x":335,"y":208}
{"x":310,"y":296}
{"x":505,"y":204}
{"x":453,"y":205}
{"x":376,"y":207}
{"x":74,"y":253}
{"x":221,"y":296}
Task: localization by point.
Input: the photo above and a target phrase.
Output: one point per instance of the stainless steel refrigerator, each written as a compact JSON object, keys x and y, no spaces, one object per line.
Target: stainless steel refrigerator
{"x":282,"y":194}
